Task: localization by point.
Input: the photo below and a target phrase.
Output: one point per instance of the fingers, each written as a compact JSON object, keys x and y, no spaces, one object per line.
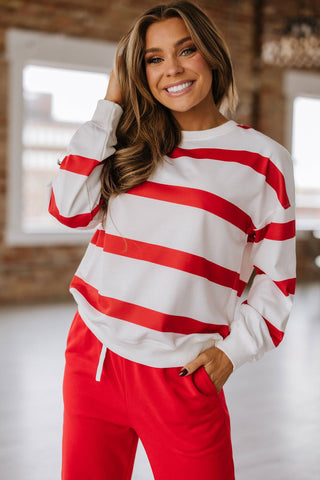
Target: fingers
{"x":114,"y":92}
{"x":217,"y":365}
{"x":203,"y":359}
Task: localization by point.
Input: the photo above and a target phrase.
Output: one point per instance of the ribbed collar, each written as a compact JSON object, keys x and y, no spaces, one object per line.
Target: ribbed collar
{"x":192,"y":135}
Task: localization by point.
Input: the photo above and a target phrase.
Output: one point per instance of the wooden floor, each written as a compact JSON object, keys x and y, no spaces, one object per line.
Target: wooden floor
{"x":274,"y":404}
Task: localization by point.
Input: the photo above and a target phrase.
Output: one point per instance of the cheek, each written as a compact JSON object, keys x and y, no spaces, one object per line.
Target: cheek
{"x":151,"y":79}
{"x":200,"y":65}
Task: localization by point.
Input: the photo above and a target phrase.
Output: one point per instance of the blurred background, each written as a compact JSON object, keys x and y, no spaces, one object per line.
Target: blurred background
{"x":55,"y":58}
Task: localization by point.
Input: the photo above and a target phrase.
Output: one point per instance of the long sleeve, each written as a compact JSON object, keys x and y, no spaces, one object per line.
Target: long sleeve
{"x":261,"y":319}
{"x":75,"y":193}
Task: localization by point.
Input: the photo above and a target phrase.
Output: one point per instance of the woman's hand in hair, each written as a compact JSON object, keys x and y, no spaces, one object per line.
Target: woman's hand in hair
{"x":113,"y":91}
{"x":216,"y":363}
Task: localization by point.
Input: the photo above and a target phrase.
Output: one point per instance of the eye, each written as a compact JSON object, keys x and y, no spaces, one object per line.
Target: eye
{"x":154,"y":60}
{"x":188,"y":51}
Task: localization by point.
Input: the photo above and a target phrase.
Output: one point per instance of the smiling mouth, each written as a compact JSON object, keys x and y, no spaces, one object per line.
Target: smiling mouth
{"x":179,"y":88}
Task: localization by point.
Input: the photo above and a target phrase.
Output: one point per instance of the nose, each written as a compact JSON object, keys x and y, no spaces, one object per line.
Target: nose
{"x":173,"y":66}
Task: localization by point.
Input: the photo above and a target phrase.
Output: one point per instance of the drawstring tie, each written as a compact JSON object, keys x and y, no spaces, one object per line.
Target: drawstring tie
{"x":101,"y":362}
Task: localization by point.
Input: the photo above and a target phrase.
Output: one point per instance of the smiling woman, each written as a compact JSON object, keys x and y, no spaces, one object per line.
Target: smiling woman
{"x":186,"y":204}
{"x":187,"y":39}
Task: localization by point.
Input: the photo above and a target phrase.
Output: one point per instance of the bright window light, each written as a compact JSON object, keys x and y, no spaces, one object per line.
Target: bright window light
{"x":306,"y":157}
{"x":74,"y":93}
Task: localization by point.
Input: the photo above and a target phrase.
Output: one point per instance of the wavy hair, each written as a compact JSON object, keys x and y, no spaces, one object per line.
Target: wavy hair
{"x":147,"y":130}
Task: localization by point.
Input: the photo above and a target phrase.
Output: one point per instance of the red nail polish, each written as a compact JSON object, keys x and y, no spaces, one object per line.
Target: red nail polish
{"x":183,"y":372}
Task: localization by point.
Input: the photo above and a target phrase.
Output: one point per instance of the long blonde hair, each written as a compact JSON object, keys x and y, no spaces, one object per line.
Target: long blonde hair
{"x":147,"y":130}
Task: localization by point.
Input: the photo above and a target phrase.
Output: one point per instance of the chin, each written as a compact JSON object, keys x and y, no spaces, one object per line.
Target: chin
{"x":178,"y":105}
{"x":183,"y":109}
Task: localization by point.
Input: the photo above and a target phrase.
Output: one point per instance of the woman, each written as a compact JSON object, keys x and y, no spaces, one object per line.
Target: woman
{"x":189,"y":204}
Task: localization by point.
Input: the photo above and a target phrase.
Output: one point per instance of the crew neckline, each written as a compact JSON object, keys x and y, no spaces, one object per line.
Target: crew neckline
{"x":209,"y":133}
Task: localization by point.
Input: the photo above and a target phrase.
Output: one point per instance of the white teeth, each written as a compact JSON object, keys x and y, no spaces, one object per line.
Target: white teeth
{"x":180,"y":87}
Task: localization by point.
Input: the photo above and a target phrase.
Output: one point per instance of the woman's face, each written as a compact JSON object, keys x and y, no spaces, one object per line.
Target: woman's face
{"x":178,"y":76}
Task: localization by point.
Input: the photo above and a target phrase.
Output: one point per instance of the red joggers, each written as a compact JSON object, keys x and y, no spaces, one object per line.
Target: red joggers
{"x":182,"y":422}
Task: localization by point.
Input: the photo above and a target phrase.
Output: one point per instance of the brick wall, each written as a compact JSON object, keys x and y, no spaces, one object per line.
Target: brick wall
{"x":272,"y":101}
{"x":43,"y":274}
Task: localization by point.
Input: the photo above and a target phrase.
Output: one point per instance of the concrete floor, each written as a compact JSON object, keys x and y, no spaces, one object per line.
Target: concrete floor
{"x":274,"y":404}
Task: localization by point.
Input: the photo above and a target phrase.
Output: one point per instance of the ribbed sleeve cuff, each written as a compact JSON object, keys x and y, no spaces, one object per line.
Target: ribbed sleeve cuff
{"x":235,"y":351}
{"x":248,"y":340}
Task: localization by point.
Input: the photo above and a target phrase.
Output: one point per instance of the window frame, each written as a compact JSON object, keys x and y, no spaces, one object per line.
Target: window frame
{"x":299,"y":84}
{"x":52,"y":50}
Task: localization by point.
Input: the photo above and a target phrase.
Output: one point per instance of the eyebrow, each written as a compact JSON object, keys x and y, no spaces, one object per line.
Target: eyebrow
{"x":179,"y":42}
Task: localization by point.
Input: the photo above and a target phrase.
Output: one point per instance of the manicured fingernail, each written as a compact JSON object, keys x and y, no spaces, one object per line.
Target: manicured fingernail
{"x":183,"y":372}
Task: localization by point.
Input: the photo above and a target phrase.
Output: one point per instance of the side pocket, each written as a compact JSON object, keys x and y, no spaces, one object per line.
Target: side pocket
{"x":203,"y":383}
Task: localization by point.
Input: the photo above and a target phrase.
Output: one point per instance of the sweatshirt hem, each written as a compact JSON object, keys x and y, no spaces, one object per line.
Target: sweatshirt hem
{"x":151,"y":352}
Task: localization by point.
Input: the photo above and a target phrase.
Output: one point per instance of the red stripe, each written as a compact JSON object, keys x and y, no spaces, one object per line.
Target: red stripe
{"x":287,"y":287}
{"x":193,"y":197}
{"x":142,"y":316}
{"x":78,"y":164}
{"x":81,"y":220}
{"x":260,"y":164}
{"x":168,"y":257}
{"x":275,"y":231}
{"x":275,"y":334}
{"x":245,"y":127}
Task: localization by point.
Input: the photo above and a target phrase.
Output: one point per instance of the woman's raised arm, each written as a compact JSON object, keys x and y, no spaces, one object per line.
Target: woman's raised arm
{"x":75,"y":193}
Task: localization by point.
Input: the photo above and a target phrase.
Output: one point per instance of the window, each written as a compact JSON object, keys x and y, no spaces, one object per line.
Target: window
{"x":55,"y":83}
{"x":303,"y":94}
{"x":306,"y":156}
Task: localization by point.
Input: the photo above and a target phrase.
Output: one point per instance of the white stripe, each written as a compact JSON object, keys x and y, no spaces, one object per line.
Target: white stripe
{"x":278,"y":307}
{"x":71,"y":192}
{"x":101,"y":362}
{"x":282,"y":266}
{"x":186,"y":295}
{"x":179,"y":222}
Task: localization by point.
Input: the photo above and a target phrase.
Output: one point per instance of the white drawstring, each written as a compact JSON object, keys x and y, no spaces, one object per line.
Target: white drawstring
{"x":101,"y":362}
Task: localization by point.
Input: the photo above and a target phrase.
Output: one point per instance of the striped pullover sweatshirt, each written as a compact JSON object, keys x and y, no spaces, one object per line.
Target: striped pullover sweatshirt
{"x":162,"y":277}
